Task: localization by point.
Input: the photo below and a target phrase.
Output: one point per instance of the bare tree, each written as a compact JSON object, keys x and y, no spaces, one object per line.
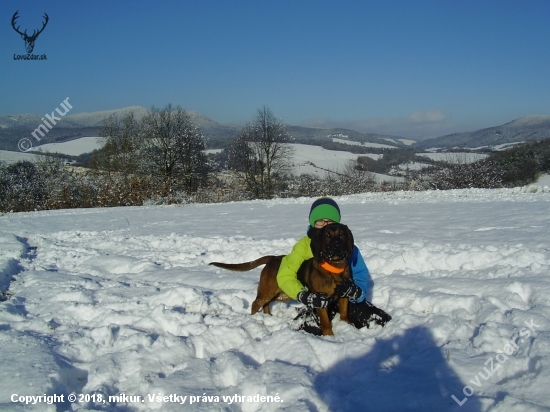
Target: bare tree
{"x":262,"y":154}
{"x":172,"y":148}
{"x":120,"y":140}
{"x":242,"y":159}
{"x":159,"y":143}
{"x":192,"y":160}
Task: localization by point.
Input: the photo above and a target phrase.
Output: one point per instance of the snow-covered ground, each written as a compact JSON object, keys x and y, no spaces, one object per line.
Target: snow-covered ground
{"x":503,"y":146}
{"x":7,"y":156}
{"x":313,"y":159}
{"x":543,"y":180}
{"x":456,"y":157}
{"x":413,"y":166}
{"x":407,"y":142}
{"x":364,"y":144}
{"x":73,"y":147}
{"x":122,"y":302}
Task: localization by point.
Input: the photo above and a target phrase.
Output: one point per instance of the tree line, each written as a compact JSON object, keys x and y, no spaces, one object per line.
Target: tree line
{"x":160,"y":159}
{"x":517,"y":166}
{"x":164,"y":147}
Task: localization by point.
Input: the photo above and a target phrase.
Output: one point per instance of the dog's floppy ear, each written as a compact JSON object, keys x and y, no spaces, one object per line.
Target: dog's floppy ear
{"x":315,"y":235}
{"x":349,"y":239}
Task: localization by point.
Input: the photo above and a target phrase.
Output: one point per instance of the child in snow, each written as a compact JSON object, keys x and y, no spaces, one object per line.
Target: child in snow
{"x":325,"y":211}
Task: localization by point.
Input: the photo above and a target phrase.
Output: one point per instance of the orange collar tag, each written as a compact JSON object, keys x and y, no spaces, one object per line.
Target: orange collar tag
{"x":331,"y":269}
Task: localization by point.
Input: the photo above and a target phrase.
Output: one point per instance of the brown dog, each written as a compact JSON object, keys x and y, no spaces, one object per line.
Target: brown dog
{"x":331,"y":247}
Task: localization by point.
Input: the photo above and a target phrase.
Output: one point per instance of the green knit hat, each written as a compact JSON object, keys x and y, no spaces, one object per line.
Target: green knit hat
{"x":324,"y":208}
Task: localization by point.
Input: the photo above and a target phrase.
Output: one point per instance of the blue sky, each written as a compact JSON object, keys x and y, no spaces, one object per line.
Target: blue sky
{"x":409,"y":68}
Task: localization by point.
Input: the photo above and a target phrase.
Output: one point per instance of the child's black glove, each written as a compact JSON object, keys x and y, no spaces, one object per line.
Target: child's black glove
{"x":348,"y":289}
{"x":318,"y":300}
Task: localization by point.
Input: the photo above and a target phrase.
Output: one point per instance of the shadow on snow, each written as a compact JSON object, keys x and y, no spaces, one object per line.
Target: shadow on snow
{"x":404,"y":373}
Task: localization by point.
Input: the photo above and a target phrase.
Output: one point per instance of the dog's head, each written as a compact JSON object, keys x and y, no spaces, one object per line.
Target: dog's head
{"x":332,"y":243}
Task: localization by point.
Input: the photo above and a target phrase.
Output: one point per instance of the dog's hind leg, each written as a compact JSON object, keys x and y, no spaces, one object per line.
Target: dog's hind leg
{"x":259,"y":304}
{"x":266,"y":308}
{"x":263,"y":302}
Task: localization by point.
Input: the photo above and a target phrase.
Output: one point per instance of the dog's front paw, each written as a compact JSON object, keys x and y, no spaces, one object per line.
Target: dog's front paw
{"x":345,"y":319}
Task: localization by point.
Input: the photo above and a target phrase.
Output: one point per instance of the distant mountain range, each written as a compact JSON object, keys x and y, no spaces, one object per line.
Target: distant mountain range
{"x":72,"y":126}
{"x":520,"y":130}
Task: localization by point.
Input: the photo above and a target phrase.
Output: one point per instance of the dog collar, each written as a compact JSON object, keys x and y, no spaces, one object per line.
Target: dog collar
{"x":332,"y":269}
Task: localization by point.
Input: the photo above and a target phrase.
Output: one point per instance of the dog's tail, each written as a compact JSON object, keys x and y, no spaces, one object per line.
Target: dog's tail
{"x":243,"y":267}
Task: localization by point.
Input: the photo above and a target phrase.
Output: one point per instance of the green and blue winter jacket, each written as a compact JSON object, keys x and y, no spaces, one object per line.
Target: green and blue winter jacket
{"x":287,"y":277}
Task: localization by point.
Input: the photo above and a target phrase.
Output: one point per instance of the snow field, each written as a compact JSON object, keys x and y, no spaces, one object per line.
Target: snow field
{"x":122,"y":300}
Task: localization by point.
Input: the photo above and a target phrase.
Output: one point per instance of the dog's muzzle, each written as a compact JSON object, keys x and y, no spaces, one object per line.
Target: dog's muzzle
{"x":335,"y":248}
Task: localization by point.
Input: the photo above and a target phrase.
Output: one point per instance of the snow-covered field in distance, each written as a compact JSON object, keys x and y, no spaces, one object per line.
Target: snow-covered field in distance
{"x":364,"y":144}
{"x":316,"y":160}
{"x":305,"y":156}
{"x":7,"y":156}
{"x":407,"y":141}
{"x":503,"y":146}
{"x":73,"y":147}
{"x":455,"y":157}
{"x":122,"y":301}
{"x":544,"y":180}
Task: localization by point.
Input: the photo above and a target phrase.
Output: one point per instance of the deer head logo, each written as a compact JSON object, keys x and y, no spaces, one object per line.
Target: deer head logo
{"x":29,"y":40}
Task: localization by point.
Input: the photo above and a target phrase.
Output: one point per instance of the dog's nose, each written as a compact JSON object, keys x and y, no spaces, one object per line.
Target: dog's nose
{"x":336,"y":248}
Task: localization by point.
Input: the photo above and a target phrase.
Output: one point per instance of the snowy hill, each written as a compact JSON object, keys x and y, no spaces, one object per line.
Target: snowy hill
{"x":351,"y":136}
{"x":83,"y":119}
{"x":121,"y":302}
{"x":87,"y":119}
{"x":520,"y":130}
{"x":73,"y":147}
